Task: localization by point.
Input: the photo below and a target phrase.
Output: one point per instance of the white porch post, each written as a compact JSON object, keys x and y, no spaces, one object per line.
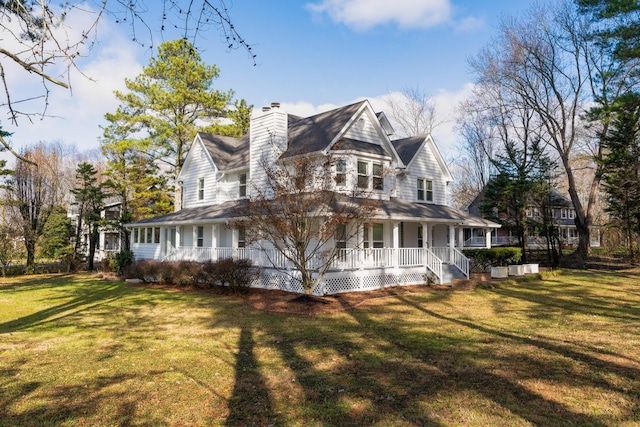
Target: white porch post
{"x":178,"y":235}
{"x":460,"y":237}
{"x":235,"y":237}
{"x":452,"y":240}
{"x":194,"y":241}
{"x":214,"y":242}
{"x":396,"y":243}
{"x":163,"y":246}
{"x":487,"y":238}
{"x":426,"y":234}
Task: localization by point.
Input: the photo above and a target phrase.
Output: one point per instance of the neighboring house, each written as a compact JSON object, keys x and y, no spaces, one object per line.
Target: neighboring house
{"x":563,"y":216}
{"x":412,"y":234}
{"x":111,"y":238}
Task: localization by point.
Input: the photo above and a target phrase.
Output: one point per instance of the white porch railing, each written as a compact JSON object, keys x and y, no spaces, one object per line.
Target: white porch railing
{"x":346,"y":259}
{"x":460,"y":261}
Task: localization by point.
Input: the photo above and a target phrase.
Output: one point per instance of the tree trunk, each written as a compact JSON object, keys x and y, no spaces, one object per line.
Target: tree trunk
{"x":30,"y":246}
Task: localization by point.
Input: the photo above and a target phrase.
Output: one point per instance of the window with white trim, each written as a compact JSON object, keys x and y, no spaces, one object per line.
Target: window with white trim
{"x":378,"y":180}
{"x":242,"y":185}
{"x":200,"y":233}
{"x":564,"y":213}
{"x":341,"y":172}
{"x":341,"y":236}
{"x":242,"y":237}
{"x":572,"y":213}
{"x":363,"y":174}
{"x":200,"y":188}
{"x":373,"y":236}
{"x":424,"y":190}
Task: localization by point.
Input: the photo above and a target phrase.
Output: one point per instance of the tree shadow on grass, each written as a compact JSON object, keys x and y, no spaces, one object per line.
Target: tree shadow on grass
{"x":531,"y":406}
{"x":89,"y":298}
{"x":68,"y":403}
{"x":250,"y":403}
{"x":387,"y":371}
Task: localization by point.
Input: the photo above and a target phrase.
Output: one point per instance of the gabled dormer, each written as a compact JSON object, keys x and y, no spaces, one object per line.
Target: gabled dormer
{"x":215,"y":170}
{"x":426,"y":176}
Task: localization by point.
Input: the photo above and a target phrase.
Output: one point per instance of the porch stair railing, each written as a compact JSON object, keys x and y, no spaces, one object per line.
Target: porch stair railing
{"x":453,"y":257}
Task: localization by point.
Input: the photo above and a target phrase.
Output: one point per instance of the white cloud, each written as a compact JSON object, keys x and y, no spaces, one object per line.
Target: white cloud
{"x":364,"y":14}
{"x":470,"y":24}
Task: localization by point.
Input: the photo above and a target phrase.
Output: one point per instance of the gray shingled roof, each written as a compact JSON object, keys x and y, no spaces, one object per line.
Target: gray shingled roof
{"x":311,"y":134}
{"x":407,"y":148}
{"x":200,"y":214}
{"x":394,"y":208}
{"x":402,"y":210}
{"x":227,"y":152}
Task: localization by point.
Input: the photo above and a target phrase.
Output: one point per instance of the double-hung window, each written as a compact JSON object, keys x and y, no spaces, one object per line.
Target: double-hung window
{"x":341,"y":236}
{"x":425,"y":190}
{"x":341,"y":172}
{"x":373,"y":236}
{"x":242,"y":185}
{"x":200,"y":188}
{"x":363,"y":174}
{"x":200,"y":233}
{"x":378,"y":180}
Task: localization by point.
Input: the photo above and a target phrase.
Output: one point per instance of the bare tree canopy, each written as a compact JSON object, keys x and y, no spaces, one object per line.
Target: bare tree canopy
{"x":46,"y":39}
{"x":300,"y":216}
{"x":413,"y":112}
{"x":549,"y":59}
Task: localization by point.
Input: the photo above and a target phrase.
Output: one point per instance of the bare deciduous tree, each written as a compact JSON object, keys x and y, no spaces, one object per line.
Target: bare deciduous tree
{"x":550,"y":61}
{"x":299,"y":214}
{"x":413,"y":112}
{"x":35,"y":190}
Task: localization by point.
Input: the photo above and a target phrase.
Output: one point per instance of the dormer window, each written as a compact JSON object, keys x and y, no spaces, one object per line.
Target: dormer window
{"x":370,"y":175}
{"x":378,"y":180}
{"x":242,"y":185}
{"x":363,"y":174}
{"x":425,"y":190}
{"x":200,"y":188}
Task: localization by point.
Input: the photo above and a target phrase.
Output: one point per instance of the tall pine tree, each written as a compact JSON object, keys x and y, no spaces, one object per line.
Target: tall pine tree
{"x":622,"y":170}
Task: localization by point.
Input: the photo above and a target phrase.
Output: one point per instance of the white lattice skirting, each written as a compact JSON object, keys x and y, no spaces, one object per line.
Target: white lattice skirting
{"x":342,"y":281}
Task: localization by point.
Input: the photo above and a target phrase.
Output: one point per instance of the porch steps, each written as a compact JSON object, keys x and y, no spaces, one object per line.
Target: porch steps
{"x":450,"y":272}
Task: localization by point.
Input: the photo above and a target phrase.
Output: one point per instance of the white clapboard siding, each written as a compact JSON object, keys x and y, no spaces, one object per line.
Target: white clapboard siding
{"x":198,"y":166}
{"x":268,"y":135}
{"x":424,"y":165}
{"x":363,"y":130}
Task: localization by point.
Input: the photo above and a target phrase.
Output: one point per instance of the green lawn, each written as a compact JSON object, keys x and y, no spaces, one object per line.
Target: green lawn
{"x":75,"y":351}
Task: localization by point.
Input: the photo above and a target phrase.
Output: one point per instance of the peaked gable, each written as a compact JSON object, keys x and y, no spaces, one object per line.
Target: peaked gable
{"x":409,"y":148}
{"x":315,"y":133}
{"x":227,"y":152}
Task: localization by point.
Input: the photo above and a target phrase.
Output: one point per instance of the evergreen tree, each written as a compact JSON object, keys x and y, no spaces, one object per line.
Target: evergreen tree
{"x":56,"y":233}
{"x":169,"y":102}
{"x":132,"y":178}
{"x":521,"y":177}
{"x":622,"y":170}
{"x":89,"y":198}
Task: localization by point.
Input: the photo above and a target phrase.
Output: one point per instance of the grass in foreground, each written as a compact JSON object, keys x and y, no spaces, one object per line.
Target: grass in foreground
{"x":75,"y":351}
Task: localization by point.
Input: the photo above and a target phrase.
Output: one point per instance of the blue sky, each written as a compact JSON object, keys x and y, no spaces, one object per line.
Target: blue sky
{"x":311,"y":56}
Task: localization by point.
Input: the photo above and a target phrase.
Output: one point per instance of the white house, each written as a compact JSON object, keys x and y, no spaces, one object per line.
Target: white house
{"x":412,"y":233}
